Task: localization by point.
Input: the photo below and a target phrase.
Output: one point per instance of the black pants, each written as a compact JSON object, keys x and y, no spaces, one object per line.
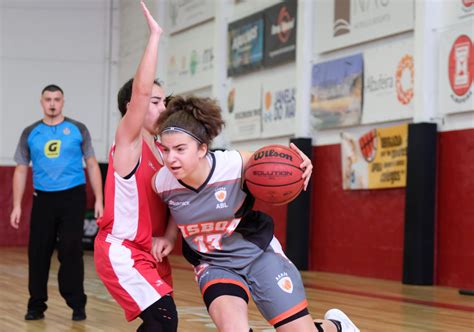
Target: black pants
{"x":57,"y":217}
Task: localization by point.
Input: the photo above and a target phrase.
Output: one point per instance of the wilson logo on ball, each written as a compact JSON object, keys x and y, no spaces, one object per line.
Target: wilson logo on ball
{"x":272,"y":173}
{"x":271,"y":153}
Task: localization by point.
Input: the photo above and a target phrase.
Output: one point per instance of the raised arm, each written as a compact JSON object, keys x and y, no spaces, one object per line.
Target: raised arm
{"x":128,"y":141}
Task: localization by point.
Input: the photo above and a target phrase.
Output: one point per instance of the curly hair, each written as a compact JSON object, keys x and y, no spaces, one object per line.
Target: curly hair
{"x":200,"y":116}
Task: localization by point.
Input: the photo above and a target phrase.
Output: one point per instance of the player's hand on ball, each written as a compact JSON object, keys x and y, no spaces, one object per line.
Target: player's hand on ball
{"x":306,"y":165}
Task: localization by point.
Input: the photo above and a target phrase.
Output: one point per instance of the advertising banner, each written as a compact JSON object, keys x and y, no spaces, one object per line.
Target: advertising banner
{"x":245,"y":45}
{"x":244,"y":105}
{"x":341,"y":23}
{"x":375,"y":160}
{"x":186,"y":13}
{"x":389,"y":76}
{"x":190,"y":60}
{"x":279,"y":103}
{"x":336,"y":93}
{"x":280,"y":33}
{"x":456,"y":69}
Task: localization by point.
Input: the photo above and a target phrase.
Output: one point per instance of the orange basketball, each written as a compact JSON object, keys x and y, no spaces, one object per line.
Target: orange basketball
{"x":273,"y":174}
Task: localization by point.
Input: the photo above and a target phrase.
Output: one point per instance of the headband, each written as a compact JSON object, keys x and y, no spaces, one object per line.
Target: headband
{"x":182,"y":130}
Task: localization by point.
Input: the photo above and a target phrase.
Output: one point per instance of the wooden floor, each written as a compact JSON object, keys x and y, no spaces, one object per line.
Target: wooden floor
{"x":374,"y":305}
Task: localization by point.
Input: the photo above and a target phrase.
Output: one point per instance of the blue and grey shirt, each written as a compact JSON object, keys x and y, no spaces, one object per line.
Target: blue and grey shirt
{"x":56,"y":153}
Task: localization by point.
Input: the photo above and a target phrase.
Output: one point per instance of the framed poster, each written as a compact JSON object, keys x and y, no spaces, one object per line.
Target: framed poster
{"x":245,"y":45}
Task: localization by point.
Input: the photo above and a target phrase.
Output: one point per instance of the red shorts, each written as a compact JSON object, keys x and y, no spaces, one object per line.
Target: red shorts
{"x":132,"y":276}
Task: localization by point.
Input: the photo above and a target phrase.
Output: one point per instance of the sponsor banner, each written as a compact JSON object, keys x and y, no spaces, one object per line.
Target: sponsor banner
{"x":456,"y":69}
{"x":389,"y":75}
{"x":456,"y":11}
{"x":186,"y":13}
{"x":340,"y":23}
{"x":190,"y":60}
{"x":376,"y":159}
{"x":245,"y":45}
{"x":336,"y":93}
{"x":280,"y":33}
{"x":244,"y":107}
{"x":279,"y":103}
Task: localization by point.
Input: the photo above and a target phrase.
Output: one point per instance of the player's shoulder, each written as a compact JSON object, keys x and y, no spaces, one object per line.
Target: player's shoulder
{"x":226,"y":155}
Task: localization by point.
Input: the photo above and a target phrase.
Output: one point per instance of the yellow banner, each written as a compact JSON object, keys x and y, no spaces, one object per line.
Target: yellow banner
{"x":389,"y":167}
{"x":377,"y":159}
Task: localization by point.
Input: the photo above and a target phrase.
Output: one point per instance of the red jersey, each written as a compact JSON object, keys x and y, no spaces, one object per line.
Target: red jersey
{"x":133,"y":211}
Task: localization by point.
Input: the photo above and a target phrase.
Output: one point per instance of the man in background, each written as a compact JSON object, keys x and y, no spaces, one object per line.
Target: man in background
{"x":56,"y":146}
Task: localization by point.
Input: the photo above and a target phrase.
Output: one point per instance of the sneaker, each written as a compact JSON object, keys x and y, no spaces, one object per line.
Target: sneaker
{"x":347,"y":324}
{"x":79,"y":314}
{"x":34,"y":315}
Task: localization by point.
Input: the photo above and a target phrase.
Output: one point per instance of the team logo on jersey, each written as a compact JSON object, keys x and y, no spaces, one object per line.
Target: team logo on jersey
{"x":284,"y":282}
{"x":220,"y":195}
{"x":52,"y":148}
{"x":66,"y":131}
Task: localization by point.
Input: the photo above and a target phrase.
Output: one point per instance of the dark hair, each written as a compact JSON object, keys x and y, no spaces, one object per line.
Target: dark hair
{"x":52,"y":88}
{"x":200,"y":116}
{"x":125,"y":94}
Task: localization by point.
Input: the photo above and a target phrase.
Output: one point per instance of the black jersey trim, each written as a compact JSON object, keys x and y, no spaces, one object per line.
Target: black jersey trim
{"x":129,"y":175}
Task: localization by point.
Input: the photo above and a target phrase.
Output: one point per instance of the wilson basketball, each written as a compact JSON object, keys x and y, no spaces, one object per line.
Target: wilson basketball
{"x":273,"y":174}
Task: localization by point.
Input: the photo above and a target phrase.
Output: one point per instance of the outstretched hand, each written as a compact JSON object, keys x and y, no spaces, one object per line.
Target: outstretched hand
{"x":306,"y":166}
{"x":152,"y":24}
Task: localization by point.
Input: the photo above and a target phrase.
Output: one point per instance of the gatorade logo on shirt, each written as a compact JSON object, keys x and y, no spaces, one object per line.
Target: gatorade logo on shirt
{"x":52,"y":148}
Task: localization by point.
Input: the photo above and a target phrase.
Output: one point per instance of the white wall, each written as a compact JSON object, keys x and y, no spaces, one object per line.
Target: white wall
{"x":59,"y":42}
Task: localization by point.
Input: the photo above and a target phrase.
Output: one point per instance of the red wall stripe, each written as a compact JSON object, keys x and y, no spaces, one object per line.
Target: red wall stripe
{"x":455,"y":215}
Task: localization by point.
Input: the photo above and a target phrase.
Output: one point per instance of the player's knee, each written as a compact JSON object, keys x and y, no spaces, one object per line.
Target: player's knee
{"x":160,"y":316}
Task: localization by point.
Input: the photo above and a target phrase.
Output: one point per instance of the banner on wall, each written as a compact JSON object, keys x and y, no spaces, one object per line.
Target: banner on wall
{"x":279,"y":103}
{"x":389,"y":75}
{"x":375,"y":160}
{"x":456,"y":69}
{"x":244,"y":107}
{"x":190,"y":60}
{"x":245,"y":45}
{"x":280,"y":33}
{"x":336,"y":93}
{"x":340,"y":23}
{"x":186,"y":13}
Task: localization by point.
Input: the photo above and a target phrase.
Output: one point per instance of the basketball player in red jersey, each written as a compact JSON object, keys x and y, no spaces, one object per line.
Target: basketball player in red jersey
{"x":123,"y":252}
{"x":232,"y":247}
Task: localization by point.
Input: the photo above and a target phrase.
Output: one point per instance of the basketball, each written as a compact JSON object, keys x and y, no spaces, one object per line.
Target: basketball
{"x":273,"y":174}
